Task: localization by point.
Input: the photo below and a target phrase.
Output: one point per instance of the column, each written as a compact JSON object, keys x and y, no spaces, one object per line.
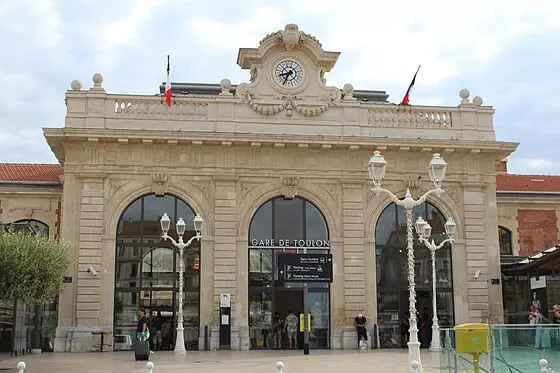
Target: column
{"x":354,"y":258}
{"x":69,"y":234}
{"x":494,"y":270}
{"x":475,"y":228}
{"x":206,"y":289}
{"x":338,"y":311}
{"x":226,"y":257}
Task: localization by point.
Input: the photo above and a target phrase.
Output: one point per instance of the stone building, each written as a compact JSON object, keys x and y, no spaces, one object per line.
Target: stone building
{"x":280,"y":158}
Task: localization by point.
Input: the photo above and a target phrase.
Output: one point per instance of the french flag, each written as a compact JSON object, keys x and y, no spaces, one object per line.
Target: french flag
{"x":406,"y":97}
{"x":168,"y":86}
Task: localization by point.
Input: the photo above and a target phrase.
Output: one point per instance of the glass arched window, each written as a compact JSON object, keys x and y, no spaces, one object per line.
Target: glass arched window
{"x":285,"y":225}
{"x":504,"y":237}
{"x":35,"y":226}
{"x":146,"y":272}
{"x":392,"y":273}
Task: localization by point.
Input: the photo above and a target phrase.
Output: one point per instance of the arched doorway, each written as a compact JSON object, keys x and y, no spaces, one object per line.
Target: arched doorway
{"x":146,"y":274}
{"x":276,"y":223}
{"x":392,"y":274}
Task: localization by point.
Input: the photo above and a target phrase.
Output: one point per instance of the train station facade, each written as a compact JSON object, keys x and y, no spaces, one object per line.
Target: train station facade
{"x":270,"y":167}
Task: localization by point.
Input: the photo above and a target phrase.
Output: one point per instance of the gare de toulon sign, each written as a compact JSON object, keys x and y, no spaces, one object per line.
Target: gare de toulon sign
{"x":312,"y":244}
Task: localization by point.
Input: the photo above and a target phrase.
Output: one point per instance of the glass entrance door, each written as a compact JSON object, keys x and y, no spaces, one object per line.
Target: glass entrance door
{"x":260,"y":319}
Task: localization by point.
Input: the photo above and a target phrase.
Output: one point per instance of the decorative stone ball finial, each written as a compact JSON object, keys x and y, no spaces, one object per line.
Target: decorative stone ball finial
{"x":348,"y":91}
{"x":76,"y":85}
{"x":225,"y":85}
{"x":477,"y":101}
{"x":464,"y":94}
{"x":543,"y":363}
{"x":97,"y":79}
{"x":21,"y":367}
{"x":149,"y":367}
{"x":415,"y":366}
{"x":279,"y":367}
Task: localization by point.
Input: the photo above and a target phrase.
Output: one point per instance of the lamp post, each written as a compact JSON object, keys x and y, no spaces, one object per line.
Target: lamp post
{"x":377,"y":167}
{"x":181,"y":245}
{"x":424,"y":231}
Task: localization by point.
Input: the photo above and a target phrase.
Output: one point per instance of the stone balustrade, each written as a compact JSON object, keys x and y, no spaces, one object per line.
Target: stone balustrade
{"x":228,"y":113}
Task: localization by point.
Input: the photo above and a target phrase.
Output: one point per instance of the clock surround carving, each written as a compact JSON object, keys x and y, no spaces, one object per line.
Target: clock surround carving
{"x":287,"y":74}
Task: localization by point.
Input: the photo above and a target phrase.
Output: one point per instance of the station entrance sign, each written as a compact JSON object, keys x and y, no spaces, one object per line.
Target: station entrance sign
{"x":305,"y":268}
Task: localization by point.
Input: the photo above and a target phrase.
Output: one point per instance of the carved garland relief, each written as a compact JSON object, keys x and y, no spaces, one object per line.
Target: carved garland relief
{"x":289,"y":103}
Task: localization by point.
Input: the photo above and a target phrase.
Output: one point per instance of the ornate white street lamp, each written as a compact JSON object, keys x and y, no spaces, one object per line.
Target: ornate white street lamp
{"x":424,"y":231}
{"x":377,"y":167}
{"x":181,"y":245}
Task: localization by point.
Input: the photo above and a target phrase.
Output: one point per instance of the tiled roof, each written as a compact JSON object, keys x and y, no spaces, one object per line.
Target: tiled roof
{"x":527,"y":183}
{"x":30,"y":173}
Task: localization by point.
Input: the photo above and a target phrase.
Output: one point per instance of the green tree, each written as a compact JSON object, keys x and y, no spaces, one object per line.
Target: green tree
{"x":31,"y":267}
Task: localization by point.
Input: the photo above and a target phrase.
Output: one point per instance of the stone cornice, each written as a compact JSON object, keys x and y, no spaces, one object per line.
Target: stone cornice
{"x":60,"y":136}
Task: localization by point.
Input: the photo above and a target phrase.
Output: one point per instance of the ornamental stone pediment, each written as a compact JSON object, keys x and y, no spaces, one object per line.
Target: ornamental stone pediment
{"x":287,"y":75}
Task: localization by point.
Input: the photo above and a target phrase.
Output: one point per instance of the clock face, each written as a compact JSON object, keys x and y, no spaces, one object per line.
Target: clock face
{"x":288,"y":73}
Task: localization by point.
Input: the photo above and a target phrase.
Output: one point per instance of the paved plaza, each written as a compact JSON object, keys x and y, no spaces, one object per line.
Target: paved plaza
{"x":383,"y":361}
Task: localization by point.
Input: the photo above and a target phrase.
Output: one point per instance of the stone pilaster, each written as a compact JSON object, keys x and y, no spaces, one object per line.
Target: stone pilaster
{"x":226,"y":257}
{"x":494,"y":271}
{"x":476,"y":240}
{"x":206,"y":283}
{"x":354,"y":257}
{"x":90,"y":249}
{"x":69,"y":235}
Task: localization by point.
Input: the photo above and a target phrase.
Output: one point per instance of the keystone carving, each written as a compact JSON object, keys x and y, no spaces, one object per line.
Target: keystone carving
{"x":160,"y":184}
{"x":289,"y":187}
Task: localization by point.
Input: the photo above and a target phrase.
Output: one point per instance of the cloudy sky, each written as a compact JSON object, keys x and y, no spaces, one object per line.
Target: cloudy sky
{"x":503,"y":50}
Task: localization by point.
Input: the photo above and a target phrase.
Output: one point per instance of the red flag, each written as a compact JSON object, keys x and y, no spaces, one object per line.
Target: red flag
{"x":168,"y":86}
{"x":407,"y":94}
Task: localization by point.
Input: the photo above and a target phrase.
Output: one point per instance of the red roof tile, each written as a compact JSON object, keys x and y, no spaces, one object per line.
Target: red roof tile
{"x":30,"y":173}
{"x":527,"y":183}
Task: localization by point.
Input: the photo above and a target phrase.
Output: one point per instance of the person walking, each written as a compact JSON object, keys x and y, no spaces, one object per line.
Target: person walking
{"x":291,"y":323}
{"x":278,"y":329}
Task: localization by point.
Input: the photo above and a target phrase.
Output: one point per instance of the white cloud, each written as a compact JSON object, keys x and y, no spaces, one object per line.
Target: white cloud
{"x":38,"y":21}
{"x":387,"y":40}
{"x":532,"y":166}
{"x":223,"y":36}
{"x":115,"y":36}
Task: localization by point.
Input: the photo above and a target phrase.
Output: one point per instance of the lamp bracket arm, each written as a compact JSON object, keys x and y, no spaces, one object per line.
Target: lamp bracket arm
{"x":378,"y":189}
{"x":425,"y":196}
{"x":189,"y":242}
{"x":166,"y":237}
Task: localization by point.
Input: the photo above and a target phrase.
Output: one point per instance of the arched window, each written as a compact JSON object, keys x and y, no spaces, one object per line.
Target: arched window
{"x":392,"y":272}
{"x":504,"y":237}
{"x":285,"y":225}
{"x":35,"y":226}
{"x":146,"y":272}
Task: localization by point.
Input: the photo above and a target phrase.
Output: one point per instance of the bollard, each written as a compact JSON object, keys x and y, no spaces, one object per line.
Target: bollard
{"x":279,"y":367}
{"x":544,"y":365}
{"x":21,"y":367}
{"x":149,"y":367}
{"x":415,"y":367}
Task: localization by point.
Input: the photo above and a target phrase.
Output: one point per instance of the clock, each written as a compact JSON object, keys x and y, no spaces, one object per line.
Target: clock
{"x":288,"y":73}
